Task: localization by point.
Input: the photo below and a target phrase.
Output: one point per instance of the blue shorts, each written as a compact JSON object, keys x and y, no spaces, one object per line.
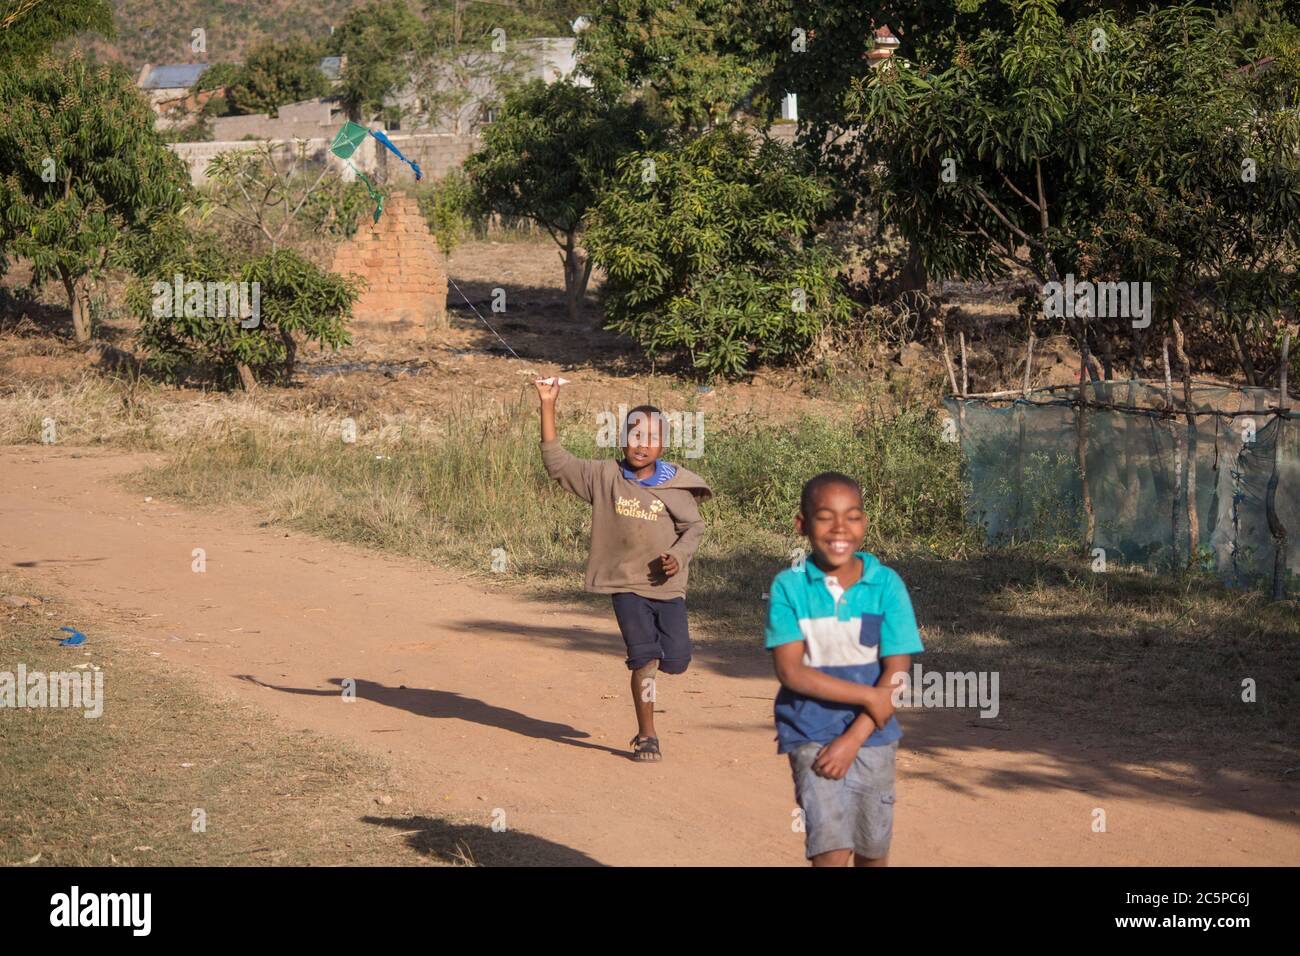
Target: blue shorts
{"x":855,"y":812}
{"x":654,"y":630}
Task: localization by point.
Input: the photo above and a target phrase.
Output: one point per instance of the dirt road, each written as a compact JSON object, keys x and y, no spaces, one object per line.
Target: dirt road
{"x":491,"y":701}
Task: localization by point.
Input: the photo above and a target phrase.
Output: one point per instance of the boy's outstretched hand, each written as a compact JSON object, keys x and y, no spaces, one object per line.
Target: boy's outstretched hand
{"x":548,"y":390}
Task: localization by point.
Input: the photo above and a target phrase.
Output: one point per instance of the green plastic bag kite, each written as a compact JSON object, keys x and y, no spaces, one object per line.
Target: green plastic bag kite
{"x":345,"y":144}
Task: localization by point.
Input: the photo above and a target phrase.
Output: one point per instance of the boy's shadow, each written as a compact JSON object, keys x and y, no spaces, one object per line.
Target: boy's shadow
{"x":448,"y":841}
{"x":448,"y":704}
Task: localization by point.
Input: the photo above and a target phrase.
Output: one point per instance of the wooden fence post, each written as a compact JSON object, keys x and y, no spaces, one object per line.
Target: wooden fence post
{"x":1193,"y":520}
{"x":1082,"y":430}
{"x":1178,"y":452}
{"x":1275,"y":526}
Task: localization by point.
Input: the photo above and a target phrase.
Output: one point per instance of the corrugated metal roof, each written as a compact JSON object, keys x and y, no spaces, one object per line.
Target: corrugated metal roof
{"x":171,"y":76}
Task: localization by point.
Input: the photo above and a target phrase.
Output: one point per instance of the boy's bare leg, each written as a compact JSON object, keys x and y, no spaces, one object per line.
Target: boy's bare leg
{"x":859,"y":860}
{"x":643,"y":698}
{"x":832,"y":858}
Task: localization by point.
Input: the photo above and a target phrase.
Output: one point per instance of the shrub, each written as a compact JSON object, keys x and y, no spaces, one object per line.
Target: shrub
{"x":708,"y":248}
{"x":195,"y":340}
{"x":448,"y":207}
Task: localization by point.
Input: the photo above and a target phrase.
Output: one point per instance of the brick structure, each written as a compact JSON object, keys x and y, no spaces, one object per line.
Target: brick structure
{"x":399,"y":258}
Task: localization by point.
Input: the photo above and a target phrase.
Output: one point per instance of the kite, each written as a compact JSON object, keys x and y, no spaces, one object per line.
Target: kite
{"x":345,"y":144}
{"x":352,"y":135}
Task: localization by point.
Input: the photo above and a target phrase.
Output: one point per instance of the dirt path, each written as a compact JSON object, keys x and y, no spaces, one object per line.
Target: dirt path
{"x":485,"y":700}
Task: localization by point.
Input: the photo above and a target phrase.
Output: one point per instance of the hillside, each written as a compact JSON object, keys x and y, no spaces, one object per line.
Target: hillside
{"x":149,"y":31}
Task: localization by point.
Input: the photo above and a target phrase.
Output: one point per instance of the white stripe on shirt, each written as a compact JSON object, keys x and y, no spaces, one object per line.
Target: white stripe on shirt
{"x":829,"y":642}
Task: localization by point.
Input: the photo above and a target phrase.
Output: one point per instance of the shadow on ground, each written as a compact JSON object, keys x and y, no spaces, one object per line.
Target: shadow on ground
{"x":448,"y":705}
{"x":473,"y":844}
{"x":1120,"y":683}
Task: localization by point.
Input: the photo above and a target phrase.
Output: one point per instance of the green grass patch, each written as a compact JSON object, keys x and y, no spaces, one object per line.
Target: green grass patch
{"x":476,"y":483}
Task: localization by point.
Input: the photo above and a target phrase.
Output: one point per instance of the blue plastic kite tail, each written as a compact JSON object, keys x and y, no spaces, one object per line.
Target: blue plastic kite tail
{"x":383,"y":138}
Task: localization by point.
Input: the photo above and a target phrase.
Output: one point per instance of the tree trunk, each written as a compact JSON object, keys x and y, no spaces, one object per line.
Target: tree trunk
{"x":577,"y":272}
{"x":914,"y":283}
{"x":246,"y":378}
{"x":290,"y":354}
{"x":78,"y":291}
{"x":1243,"y":357}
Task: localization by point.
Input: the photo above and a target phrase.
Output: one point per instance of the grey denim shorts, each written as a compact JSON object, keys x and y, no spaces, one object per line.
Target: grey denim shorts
{"x":855,"y":812}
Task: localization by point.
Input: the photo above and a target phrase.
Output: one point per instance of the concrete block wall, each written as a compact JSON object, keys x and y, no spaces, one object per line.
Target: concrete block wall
{"x":437,"y":154}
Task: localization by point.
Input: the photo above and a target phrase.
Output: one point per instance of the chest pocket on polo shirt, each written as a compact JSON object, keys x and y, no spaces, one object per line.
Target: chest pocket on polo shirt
{"x":869,"y":635}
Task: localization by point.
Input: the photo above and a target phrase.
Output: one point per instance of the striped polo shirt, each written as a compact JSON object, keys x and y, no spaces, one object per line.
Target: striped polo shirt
{"x":845,"y":634}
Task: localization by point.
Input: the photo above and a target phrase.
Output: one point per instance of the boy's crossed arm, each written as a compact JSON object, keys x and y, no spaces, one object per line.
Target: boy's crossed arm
{"x":877,"y":702}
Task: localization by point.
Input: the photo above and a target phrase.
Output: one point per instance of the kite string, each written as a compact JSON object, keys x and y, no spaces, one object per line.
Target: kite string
{"x":483,"y":320}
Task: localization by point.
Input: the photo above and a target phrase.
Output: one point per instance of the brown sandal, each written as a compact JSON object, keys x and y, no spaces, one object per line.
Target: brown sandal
{"x":645,"y":748}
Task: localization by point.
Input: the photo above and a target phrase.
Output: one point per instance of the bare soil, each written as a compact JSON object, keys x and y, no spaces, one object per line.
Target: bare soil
{"x":501,"y":705}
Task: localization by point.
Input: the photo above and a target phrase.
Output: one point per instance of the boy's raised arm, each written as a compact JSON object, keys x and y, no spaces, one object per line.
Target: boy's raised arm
{"x":574,"y":474}
{"x":547,"y":393}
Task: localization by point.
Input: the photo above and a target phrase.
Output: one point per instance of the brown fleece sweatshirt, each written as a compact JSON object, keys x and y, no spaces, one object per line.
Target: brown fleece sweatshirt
{"x":631,"y":524}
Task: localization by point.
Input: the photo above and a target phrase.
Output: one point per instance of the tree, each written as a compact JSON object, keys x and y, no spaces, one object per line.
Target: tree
{"x":265,"y":189}
{"x":188,"y":336}
{"x":1105,"y":148}
{"x":219,"y":76}
{"x":378,"y":40}
{"x":85,"y":181}
{"x":547,"y":157}
{"x":471,"y":58}
{"x":30,"y":28}
{"x":265,"y":197}
{"x":708,"y":248}
{"x":699,"y":61}
{"x":278,"y":73}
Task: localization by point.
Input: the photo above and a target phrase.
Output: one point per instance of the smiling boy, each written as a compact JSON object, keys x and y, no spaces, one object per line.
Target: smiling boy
{"x":645,"y":527}
{"x":840,"y":627}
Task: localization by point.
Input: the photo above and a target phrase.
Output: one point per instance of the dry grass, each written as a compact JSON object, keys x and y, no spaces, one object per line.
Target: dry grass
{"x":1143,"y":660}
{"x":122,"y":789}
{"x":1141,"y":664}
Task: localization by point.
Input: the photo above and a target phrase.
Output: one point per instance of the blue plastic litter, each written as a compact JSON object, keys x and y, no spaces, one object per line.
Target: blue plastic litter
{"x":76,"y":638}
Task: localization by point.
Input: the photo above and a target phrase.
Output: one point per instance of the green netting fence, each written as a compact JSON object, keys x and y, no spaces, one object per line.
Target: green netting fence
{"x":1144,"y":458}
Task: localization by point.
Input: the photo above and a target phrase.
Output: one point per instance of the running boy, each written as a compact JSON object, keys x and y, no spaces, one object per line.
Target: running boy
{"x":645,"y":526}
{"x":839,"y":628}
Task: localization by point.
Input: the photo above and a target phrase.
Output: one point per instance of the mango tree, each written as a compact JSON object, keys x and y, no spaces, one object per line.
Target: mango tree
{"x":547,"y":157}
{"x":85,"y":182}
